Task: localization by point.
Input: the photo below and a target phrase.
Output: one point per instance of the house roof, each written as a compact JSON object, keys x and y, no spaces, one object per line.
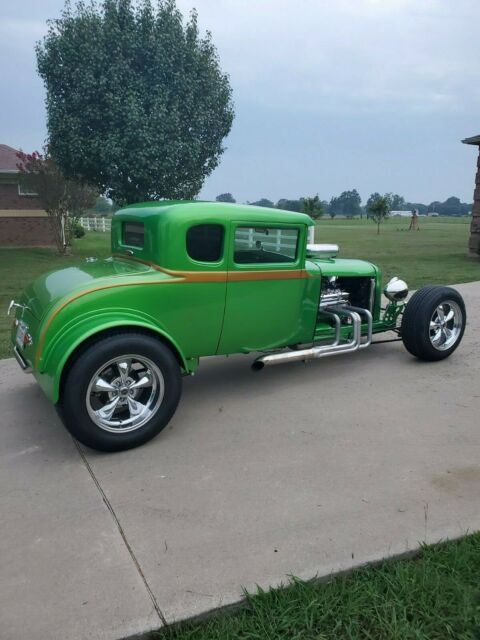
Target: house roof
{"x":8,"y":159}
{"x":473,"y":140}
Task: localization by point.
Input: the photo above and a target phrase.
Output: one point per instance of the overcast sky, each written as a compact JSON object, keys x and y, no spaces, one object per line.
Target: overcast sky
{"x":329,"y":94}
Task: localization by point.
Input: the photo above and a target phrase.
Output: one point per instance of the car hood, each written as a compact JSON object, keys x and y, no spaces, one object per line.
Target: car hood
{"x":47,"y":289}
{"x":345,"y":267}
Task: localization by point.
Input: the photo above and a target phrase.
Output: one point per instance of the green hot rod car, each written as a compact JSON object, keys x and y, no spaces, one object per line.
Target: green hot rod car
{"x":109,"y":340}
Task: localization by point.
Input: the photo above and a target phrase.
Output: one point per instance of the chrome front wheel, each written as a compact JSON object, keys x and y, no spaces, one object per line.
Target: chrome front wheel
{"x":125,"y":393}
{"x":446,"y":325}
{"x":433,"y":322}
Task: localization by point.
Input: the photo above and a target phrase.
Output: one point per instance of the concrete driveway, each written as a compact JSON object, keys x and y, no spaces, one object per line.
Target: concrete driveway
{"x":298,"y":469}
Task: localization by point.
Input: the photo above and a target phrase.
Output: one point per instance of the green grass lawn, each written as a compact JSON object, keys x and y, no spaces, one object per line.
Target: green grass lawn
{"x":435,"y":596}
{"x":19,"y":266}
{"x":435,"y":254}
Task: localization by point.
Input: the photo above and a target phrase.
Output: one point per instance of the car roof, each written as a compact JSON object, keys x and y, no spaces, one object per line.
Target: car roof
{"x":198,"y":209}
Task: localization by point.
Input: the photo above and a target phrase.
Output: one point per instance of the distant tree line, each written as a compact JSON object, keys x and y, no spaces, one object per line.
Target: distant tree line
{"x":349,"y":204}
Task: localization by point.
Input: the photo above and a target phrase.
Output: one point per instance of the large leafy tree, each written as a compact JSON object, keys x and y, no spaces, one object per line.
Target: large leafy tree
{"x":225,"y":197}
{"x":397,"y":202}
{"x":348,"y":203}
{"x":290,"y":205}
{"x":312,"y":206}
{"x":137,"y":103}
{"x":371,"y":200}
{"x":263,"y":202}
{"x":451,"y":207}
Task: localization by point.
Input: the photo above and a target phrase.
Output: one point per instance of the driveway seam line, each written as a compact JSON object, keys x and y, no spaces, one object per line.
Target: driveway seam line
{"x":122,"y":533}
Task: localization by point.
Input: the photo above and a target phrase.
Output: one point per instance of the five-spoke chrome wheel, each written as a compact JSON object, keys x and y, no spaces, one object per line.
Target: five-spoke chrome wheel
{"x":446,"y":325}
{"x":125,"y":393}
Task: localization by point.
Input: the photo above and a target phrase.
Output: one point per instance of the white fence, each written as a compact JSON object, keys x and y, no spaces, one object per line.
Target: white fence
{"x":279,"y":240}
{"x":96,"y":224}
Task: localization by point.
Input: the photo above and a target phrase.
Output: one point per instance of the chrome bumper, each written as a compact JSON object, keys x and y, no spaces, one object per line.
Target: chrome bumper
{"x":26,"y":368}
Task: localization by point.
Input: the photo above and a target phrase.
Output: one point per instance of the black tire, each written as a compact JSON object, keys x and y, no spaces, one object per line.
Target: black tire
{"x":75,"y":406}
{"x":417,"y":334}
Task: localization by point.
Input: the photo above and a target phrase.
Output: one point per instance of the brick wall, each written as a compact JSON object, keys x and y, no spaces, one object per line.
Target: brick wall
{"x":474,"y":244}
{"x":26,"y":232}
{"x":11,"y":199}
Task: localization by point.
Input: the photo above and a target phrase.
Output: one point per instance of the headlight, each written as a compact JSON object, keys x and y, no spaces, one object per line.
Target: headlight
{"x":396,"y":290}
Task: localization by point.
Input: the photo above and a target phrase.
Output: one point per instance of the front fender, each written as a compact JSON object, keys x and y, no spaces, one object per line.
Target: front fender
{"x":62,"y":342}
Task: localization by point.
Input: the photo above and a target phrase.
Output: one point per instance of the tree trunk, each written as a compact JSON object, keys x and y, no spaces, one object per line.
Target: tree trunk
{"x":56,"y":218}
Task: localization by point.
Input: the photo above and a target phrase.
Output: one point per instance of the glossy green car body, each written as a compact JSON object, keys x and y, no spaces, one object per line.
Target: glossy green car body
{"x":197,"y":307}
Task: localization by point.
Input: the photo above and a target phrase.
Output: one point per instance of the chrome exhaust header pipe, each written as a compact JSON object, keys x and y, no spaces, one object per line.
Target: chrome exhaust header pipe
{"x":312,"y":353}
{"x":365,"y":312}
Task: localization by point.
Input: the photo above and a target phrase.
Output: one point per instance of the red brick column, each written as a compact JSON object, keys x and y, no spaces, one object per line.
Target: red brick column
{"x":474,"y":244}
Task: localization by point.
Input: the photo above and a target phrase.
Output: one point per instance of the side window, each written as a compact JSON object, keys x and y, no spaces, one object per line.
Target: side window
{"x":265,"y":244}
{"x":205,"y":242}
{"x":133,"y":234}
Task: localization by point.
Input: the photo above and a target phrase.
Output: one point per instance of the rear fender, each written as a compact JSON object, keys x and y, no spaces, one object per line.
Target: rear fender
{"x":63,"y":343}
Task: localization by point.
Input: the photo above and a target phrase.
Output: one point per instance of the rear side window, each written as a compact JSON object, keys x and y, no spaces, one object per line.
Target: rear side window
{"x":265,"y":244}
{"x":134,"y":234}
{"x":205,"y":242}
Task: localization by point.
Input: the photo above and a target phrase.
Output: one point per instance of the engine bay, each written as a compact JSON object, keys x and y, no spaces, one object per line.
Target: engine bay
{"x":354,"y":291}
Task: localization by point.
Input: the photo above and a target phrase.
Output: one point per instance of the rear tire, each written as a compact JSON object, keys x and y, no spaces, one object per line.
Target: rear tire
{"x":433,"y":322}
{"x":120,"y":392}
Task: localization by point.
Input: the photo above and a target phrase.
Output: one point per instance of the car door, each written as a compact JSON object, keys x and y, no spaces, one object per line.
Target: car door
{"x":266,"y":287}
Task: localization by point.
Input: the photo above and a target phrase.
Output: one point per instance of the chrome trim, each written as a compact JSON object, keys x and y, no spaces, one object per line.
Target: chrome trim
{"x":336,"y":297}
{"x":322,"y":250}
{"x":16,"y":305}
{"x":446,"y":325}
{"x":125,"y":393}
{"x":371,"y":299}
{"x":396,"y":290}
{"x":26,"y":368}
{"x":338,"y":324}
{"x":369,"y":317}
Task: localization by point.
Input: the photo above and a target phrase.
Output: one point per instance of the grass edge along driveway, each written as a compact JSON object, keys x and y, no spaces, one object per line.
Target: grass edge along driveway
{"x":434,"y":595}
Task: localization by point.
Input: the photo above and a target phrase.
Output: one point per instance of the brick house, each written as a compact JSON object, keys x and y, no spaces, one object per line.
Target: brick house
{"x":23,"y":222}
{"x":474,"y":243}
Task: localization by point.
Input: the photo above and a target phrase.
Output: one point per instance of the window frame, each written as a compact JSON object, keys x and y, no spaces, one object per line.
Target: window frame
{"x":222,"y":253}
{"x":124,"y":241}
{"x":267,"y":265}
{"x":23,"y":193}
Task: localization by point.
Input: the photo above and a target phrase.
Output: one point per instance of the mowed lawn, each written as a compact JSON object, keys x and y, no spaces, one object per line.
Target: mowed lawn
{"x":435,"y":254}
{"x":18,"y":267}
